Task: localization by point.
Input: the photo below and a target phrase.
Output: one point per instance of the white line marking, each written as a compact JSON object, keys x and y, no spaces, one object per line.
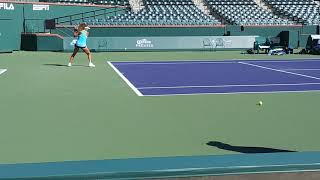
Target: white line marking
{"x":240,"y":167}
{"x":208,"y":61}
{"x":287,"y":72}
{"x":222,"y":86}
{"x":301,"y":69}
{"x":253,"y":92}
{"x":262,"y":171}
{"x":125,"y":79}
{"x":2,"y":71}
{"x":174,"y":62}
{"x":280,"y":60}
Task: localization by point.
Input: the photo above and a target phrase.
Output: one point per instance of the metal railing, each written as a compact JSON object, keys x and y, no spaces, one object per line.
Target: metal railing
{"x":89,"y":15}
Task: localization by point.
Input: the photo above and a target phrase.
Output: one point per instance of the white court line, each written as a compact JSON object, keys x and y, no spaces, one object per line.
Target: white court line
{"x":301,"y":69}
{"x":175,"y":62}
{"x":207,"y":61}
{"x":125,"y":79}
{"x":243,"y":168}
{"x":2,"y":71}
{"x":249,"y":167}
{"x":280,"y":60}
{"x":239,"y":167}
{"x":230,"y":93}
{"x":222,"y":86}
{"x":278,"y":70}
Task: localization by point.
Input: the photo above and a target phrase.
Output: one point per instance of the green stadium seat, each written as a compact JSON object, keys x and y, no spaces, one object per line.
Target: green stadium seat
{"x":301,"y":11}
{"x":243,"y":12}
{"x":167,"y":12}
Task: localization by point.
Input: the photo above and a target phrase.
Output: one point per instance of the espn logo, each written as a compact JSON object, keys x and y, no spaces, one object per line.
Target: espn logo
{"x":38,"y":7}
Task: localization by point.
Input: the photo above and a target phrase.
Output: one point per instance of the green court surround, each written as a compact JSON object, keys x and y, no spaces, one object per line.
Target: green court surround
{"x":52,"y":113}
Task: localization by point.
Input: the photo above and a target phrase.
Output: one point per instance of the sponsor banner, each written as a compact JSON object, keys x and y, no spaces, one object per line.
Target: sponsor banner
{"x":144,"y":43}
{"x":158,"y":43}
{"x":6,"y":6}
{"x":40,"y":7}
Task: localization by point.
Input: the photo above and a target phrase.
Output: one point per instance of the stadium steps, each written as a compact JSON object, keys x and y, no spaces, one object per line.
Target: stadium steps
{"x":201,"y":5}
{"x":215,"y":14}
{"x":136,"y":5}
{"x":265,"y":6}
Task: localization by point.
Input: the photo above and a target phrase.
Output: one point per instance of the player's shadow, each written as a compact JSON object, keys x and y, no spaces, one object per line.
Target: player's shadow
{"x":245,"y":149}
{"x":64,"y":65}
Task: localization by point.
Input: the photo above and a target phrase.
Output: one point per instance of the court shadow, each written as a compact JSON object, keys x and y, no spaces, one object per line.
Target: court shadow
{"x":64,"y":65}
{"x":245,"y":149}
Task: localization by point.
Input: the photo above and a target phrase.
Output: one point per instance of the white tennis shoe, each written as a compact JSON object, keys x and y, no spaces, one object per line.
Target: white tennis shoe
{"x":69,"y":64}
{"x":91,"y":65}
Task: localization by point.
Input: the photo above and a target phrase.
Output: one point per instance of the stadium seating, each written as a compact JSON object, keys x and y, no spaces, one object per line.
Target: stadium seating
{"x":162,"y":12}
{"x":245,"y":12}
{"x":185,"y":12}
{"x":305,"y":12}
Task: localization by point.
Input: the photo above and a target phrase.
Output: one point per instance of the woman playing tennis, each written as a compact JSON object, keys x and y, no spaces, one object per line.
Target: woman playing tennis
{"x":82,"y":35}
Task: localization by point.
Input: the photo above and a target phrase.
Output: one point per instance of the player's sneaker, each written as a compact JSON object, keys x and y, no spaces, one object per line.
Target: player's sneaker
{"x":91,"y":65}
{"x":69,"y":64}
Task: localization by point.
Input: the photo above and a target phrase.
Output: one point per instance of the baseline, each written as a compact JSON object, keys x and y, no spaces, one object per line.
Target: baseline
{"x":125,"y":79}
{"x":222,"y":86}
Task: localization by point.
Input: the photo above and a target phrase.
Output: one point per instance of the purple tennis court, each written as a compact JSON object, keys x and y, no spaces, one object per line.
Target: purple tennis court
{"x":219,"y":77}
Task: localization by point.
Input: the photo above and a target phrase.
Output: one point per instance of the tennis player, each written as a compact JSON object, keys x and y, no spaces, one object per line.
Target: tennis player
{"x":82,"y":35}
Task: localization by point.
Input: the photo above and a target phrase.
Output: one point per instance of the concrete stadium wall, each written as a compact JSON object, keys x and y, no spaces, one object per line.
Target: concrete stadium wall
{"x":146,"y":31}
{"x":297,"y":34}
{"x":265,"y":31}
{"x":157,"y":43}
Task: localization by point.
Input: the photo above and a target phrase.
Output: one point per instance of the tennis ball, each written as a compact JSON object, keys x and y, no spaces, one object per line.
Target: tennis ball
{"x":260,"y":103}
